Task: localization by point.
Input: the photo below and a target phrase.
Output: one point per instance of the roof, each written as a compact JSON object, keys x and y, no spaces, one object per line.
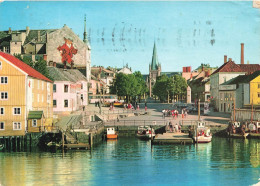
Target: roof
{"x":24,"y":67}
{"x":35,"y":114}
{"x":249,"y":68}
{"x":33,"y":35}
{"x":59,"y":74}
{"x":170,"y":74}
{"x":228,"y":67}
{"x":155,"y":63}
{"x":242,"y":78}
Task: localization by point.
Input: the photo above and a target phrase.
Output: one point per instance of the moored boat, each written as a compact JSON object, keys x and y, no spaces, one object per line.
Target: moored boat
{"x":145,"y":132}
{"x":202,"y":134}
{"x":111,"y":133}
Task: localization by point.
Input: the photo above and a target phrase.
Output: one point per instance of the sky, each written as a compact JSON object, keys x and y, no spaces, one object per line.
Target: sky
{"x":123,"y":32}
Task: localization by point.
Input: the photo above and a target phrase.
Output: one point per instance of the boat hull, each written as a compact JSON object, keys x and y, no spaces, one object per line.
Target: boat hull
{"x":239,"y":136}
{"x":145,"y":136}
{"x":203,"y":139}
{"x":112,"y":136}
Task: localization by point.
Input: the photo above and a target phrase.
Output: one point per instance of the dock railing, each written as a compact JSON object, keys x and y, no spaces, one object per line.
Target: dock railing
{"x":135,"y":123}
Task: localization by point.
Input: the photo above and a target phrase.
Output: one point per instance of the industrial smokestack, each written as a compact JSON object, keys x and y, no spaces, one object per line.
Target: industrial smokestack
{"x":242,"y":53}
{"x":225,"y":58}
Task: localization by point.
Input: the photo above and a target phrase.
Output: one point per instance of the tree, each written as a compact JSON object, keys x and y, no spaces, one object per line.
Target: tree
{"x":180,"y":86}
{"x":40,"y":66}
{"x":163,"y":88}
{"x":130,"y":86}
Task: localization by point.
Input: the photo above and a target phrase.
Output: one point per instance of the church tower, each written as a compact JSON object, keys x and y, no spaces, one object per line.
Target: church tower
{"x":154,"y":69}
{"x":85,"y":40}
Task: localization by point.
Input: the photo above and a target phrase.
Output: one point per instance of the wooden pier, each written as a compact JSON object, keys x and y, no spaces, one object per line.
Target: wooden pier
{"x":172,"y":138}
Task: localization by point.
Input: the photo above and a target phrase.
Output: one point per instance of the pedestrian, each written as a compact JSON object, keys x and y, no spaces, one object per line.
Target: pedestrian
{"x":83,"y":107}
{"x":145,"y":106}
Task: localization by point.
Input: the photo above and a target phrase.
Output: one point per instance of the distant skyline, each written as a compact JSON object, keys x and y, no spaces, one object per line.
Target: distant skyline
{"x":186,"y":33}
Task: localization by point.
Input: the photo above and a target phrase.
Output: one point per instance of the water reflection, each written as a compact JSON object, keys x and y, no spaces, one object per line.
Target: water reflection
{"x":131,"y":161}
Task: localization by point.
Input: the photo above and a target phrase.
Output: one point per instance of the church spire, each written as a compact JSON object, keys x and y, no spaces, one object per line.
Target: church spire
{"x":155,"y":63}
{"x":85,"y":31}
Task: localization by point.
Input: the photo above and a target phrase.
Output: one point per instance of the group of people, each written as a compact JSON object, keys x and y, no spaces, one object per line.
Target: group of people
{"x":130,"y":106}
{"x":184,"y":113}
{"x":167,"y":112}
{"x":174,"y":128}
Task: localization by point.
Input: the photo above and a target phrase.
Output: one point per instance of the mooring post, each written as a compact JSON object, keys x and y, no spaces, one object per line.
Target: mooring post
{"x":62,"y":140}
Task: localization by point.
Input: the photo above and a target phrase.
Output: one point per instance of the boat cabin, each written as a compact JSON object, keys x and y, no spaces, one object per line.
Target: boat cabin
{"x":236,"y":124}
{"x":201,"y":124}
{"x":111,"y":131}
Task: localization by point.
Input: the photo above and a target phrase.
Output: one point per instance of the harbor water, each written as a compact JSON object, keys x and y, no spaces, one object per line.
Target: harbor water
{"x":129,"y":161}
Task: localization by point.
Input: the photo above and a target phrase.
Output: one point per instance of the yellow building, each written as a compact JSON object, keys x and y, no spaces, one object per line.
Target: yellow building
{"x":255,"y":90}
{"x":23,"y":90}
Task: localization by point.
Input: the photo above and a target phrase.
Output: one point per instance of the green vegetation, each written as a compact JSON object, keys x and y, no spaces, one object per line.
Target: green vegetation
{"x":169,"y":88}
{"x":130,"y":86}
{"x":40,"y":66}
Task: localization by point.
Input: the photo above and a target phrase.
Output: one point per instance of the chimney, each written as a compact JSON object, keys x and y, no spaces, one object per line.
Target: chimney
{"x":27,"y":30}
{"x":229,"y":59}
{"x":225,"y":58}
{"x":54,"y":64}
{"x":242,"y":53}
{"x":9,"y":31}
{"x":39,"y":36}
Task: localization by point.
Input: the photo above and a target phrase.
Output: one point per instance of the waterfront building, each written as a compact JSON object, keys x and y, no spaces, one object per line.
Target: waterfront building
{"x":243,"y":91}
{"x":105,"y":76}
{"x":200,"y":84}
{"x":226,"y":72}
{"x":61,"y":46}
{"x":26,"y":98}
{"x":70,"y":90}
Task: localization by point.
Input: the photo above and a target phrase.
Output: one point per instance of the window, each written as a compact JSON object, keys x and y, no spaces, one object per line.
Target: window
{"x":2,"y":110}
{"x":81,"y":97}
{"x":66,"y":88}
{"x":17,"y":111}
{"x":2,"y":125}
{"x":4,"y":95}
{"x":16,"y":126}
{"x":54,"y":87}
{"x":81,"y":85}
{"x":258,"y":94}
{"x":0,"y":65}
{"x":54,"y":103}
{"x":4,"y":80}
{"x":34,"y":123}
{"x":258,"y":83}
{"x":66,"y":103}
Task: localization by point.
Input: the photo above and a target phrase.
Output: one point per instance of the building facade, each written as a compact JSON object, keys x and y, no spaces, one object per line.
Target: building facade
{"x":23,"y":90}
{"x":70,"y":90}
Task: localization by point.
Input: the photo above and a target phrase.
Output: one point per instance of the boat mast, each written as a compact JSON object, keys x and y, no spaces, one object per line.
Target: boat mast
{"x":234,"y":110}
{"x":252,"y":107}
{"x":199,"y":110}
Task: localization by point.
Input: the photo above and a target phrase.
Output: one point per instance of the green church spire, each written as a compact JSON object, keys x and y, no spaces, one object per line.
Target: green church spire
{"x":155,"y":63}
{"x":85,"y":40}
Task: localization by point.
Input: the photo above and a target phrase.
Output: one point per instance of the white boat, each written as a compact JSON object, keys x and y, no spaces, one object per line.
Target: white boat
{"x":145,"y":132}
{"x":203,"y":134}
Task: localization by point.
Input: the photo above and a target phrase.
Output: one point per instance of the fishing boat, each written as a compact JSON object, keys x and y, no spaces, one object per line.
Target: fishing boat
{"x":145,"y":132}
{"x":111,"y":133}
{"x":235,"y":130}
{"x":202,"y":134}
